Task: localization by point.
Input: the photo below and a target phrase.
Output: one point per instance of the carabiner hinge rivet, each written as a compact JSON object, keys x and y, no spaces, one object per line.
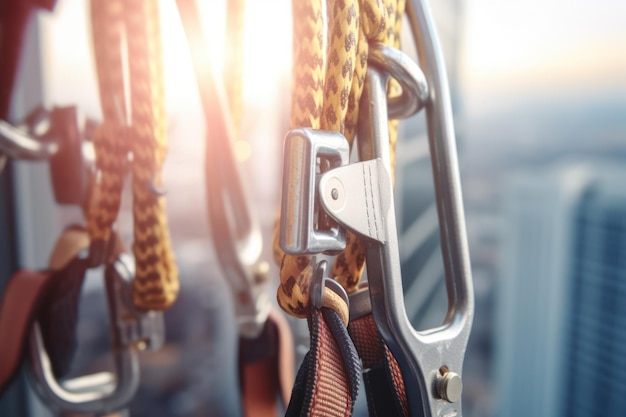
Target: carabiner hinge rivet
{"x":449,"y":386}
{"x":335,"y":194}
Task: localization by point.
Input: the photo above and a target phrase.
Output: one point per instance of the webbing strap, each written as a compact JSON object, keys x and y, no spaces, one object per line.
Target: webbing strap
{"x":328,"y":380}
{"x":384,"y":384}
{"x":266,"y":367}
{"x":52,"y":297}
{"x":58,"y":315}
{"x":17,"y":309}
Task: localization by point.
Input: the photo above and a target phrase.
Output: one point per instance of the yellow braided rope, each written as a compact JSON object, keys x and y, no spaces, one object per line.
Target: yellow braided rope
{"x":306,"y":109}
{"x":384,"y":27}
{"x":109,"y":139}
{"x":156,"y":280}
{"x":330,"y":101}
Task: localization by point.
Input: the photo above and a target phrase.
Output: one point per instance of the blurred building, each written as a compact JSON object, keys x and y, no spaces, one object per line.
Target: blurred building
{"x":560,"y":302}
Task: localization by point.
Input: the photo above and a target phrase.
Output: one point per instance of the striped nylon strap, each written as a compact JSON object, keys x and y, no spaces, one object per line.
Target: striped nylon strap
{"x":329,"y":377}
{"x":384,"y":384}
{"x":129,"y":30}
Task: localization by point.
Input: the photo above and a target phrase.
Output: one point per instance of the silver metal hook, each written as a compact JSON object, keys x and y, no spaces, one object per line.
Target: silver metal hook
{"x":18,"y":144}
{"x":321,"y":282}
{"x":232,"y":222}
{"x":132,"y":331}
{"x":407,"y":73}
{"x":431,"y":358}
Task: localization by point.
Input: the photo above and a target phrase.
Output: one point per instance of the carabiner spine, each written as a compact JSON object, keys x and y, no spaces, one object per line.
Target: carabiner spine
{"x":445,"y":165}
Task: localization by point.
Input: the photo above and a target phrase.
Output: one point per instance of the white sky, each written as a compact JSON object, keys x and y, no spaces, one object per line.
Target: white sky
{"x":509,"y":49}
{"x":544,"y":46}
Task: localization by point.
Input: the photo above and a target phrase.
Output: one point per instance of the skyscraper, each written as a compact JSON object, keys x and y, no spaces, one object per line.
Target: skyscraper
{"x":561,"y":300}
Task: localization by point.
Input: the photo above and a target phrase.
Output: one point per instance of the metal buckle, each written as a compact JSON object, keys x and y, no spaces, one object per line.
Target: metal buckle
{"x":302,"y":228}
{"x":237,"y":235}
{"x":23,"y":142}
{"x":235,"y":231}
{"x":131,"y":330}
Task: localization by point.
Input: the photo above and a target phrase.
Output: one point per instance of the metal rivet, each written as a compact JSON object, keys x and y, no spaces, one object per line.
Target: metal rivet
{"x":450,"y":387}
{"x":334,"y":194}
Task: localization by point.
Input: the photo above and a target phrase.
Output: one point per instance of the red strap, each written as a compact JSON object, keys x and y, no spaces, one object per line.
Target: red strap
{"x":21,"y":300}
{"x":384,"y":384}
{"x":17,"y":310}
{"x":271,"y":373}
{"x":328,"y":380}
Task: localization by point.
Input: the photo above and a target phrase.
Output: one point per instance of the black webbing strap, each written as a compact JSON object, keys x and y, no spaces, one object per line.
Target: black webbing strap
{"x":51,"y":297}
{"x":384,"y":384}
{"x":328,"y":379}
{"x":266,"y":367}
{"x":58,"y":315}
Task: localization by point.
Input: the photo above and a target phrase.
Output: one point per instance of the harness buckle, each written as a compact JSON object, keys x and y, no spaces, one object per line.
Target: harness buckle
{"x":304,"y":225}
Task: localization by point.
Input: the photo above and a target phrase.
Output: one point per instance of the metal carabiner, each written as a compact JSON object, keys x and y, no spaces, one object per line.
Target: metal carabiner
{"x":17,"y":143}
{"x":432,"y":360}
{"x":234,"y":228}
{"x":56,"y":136}
{"x":131,"y":332}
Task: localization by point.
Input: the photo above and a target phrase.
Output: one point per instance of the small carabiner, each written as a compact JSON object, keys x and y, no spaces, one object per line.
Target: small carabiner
{"x":131,"y":331}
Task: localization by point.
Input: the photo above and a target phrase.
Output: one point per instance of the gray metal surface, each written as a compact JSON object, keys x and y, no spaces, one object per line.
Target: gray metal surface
{"x":19,"y":144}
{"x":300,"y":230}
{"x":415,"y":91}
{"x":420,"y":354}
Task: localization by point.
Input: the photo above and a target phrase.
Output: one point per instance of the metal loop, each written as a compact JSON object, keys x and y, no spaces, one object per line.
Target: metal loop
{"x":320,"y":284}
{"x":18,"y":144}
{"x":415,"y":92}
{"x":131,"y":330}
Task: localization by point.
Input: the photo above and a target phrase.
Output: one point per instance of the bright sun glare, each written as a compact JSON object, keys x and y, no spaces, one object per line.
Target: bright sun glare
{"x":266,"y":49}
